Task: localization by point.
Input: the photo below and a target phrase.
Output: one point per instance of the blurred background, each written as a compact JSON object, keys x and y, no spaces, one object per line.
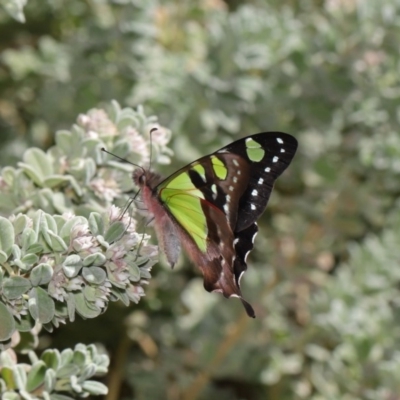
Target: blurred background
{"x":324,"y":277}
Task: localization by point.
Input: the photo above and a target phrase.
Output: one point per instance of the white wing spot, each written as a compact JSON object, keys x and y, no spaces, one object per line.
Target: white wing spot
{"x":260,"y":181}
{"x":279,"y":140}
{"x":268,"y":169}
{"x":254,"y":192}
{"x":234,"y":179}
{"x":245,"y":256}
{"x":235,"y":162}
{"x":228,"y":198}
{"x":282,"y":150}
{"x":231,"y":188}
{"x":275,"y":159}
{"x":239,"y":172}
{"x":252,"y":206}
{"x":226,"y":208}
{"x":236,"y":241}
{"x":241,"y":274}
{"x":253,"y":238}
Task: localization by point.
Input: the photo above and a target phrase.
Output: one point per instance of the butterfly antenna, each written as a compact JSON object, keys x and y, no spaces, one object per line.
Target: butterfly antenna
{"x":151,"y":144}
{"x":122,"y":159}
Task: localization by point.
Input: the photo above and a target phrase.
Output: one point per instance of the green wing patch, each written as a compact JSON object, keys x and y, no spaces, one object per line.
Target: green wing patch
{"x":183,"y":201}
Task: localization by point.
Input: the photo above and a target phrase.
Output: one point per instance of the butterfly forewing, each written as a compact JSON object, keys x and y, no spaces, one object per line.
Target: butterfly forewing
{"x":267,"y":155}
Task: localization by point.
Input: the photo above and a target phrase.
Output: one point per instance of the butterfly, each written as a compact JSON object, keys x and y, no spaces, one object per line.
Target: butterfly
{"x":211,"y":206}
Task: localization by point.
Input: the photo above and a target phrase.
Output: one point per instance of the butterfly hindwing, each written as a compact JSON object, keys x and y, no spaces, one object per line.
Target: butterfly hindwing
{"x":214,"y":204}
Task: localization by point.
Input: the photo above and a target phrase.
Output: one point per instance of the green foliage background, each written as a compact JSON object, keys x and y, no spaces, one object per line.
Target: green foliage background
{"x":324,"y":277}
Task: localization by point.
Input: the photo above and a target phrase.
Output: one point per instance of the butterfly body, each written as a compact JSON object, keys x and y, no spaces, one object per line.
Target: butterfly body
{"x":211,"y":206}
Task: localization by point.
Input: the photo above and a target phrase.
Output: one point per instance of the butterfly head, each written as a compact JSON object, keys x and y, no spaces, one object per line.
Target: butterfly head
{"x":142,"y":177}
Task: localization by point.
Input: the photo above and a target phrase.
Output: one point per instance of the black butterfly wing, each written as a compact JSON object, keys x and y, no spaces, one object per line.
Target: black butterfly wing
{"x":231,"y":186}
{"x":266,"y":163}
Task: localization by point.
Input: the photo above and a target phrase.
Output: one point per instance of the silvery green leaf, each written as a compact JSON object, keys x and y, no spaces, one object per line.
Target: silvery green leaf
{"x":38,"y":161}
{"x":7,"y":323}
{"x":53,"y":181}
{"x":96,"y":224}
{"x":102,"y":242}
{"x":33,"y":357}
{"x":36,"y":376}
{"x":16,"y":251}
{"x":118,"y":294}
{"x":46,"y":394}
{"x":8,"y":174}
{"x":95,"y":388}
{"x":134,"y":293}
{"x":11,"y":396}
{"x":49,"y":327}
{"x":36,"y":221}
{"x":50,"y":380}
{"x":66,"y":357}
{"x":6,"y":235}
{"x":25,"y":323}
{"x":80,"y":355}
{"x":41,"y":274}
{"x":65,"y":231}
{"x":19,"y":376}
{"x":30,"y":259}
{"x":15,"y":8}
{"x":72,"y":265}
{"x":82,"y":307}
{"x":7,"y":372}
{"x":134,"y":272}
{"x":61,"y":310}
{"x":49,"y":223}
{"x":90,"y":293}
{"x":63,"y":139}
{"x":67,"y":370}
{"x":122,"y":149}
{"x":59,"y":202}
{"x":115,"y":232}
{"x":26,"y":395}
{"x":123,"y":296}
{"x":95,"y":275}
{"x":90,"y":170}
{"x":35,"y":248}
{"x":144,"y":273}
{"x":21,"y":265}
{"x":20,"y":223}
{"x":75,"y":185}
{"x":41,"y":305}
{"x":94,"y":260}
{"x":114,"y":280}
{"x":71,"y":307}
{"x":52,"y":358}
{"x":3,"y":257}
{"x":8,"y":204}
{"x":15,"y":286}
{"x":89,"y":370}
{"x":28,"y":238}
{"x":57,"y":243}
{"x":33,"y":174}
{"x":75,"y":384}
